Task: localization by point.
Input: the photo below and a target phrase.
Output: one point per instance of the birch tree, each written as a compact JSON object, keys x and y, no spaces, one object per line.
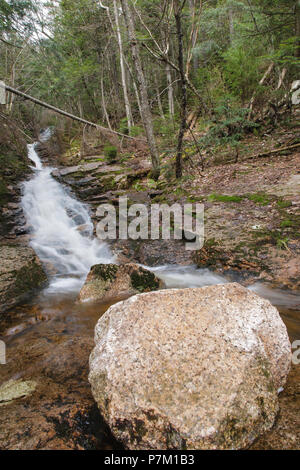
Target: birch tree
{"x":122,"y":66}
{"x":142,"y":87}
{"x":178,"y":6}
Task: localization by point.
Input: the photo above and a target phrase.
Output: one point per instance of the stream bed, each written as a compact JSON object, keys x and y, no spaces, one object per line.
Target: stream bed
{"x":49,"y":341}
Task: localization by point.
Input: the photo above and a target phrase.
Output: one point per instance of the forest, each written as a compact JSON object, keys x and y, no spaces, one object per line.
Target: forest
{"x":149,"y":227}
{"x":157,"y":69}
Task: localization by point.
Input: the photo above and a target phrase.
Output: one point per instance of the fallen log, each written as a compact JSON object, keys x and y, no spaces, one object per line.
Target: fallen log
{"x":68,"y":115}
{"x":267,"y":154}
{"x":271,"y":152}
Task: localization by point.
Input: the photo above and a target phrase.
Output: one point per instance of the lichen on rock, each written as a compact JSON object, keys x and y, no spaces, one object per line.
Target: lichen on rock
{"x":14,"y":389}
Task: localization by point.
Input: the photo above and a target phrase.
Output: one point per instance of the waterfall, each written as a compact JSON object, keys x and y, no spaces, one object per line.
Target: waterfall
{"x":62,"y":236}
{"x":61,"y":229}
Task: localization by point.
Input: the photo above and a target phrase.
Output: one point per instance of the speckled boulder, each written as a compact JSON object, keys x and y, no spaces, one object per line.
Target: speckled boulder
{"x":20,"y":273}
{"x":190,"y":368}
{"x":106,"y":281}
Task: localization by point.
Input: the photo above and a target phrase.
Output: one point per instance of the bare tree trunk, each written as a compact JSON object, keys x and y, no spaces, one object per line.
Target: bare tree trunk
{"x":195,"y":24}
{"x":159,"y":103}
{"x":134,"y":87}
{"x":231,"y":24}
{"x":104,"y":105}
{"x":170,"y":91}
{"x":261,"y":82}
{"x":297,"y":27}
{"x":68,"y":115}
{"x":183,"y":124}
{"x":142,"y":87}
{"x":122,"y":66}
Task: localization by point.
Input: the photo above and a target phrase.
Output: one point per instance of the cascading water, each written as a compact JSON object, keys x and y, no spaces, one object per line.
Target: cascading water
{"x":62,"y":237}
{"x":62,"y":230}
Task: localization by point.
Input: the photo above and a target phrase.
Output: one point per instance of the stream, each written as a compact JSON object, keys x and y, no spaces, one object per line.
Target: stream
{"x":61,"y":232}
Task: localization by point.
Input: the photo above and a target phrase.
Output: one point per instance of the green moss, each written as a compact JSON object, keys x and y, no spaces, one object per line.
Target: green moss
{"x":28,"y":278}
{"x":160,"y":198}
{"x":111,"y":152}
{"x":286,"y":223}
{"x":259,"y":198}
{"x":144,"y":281}
{"x":224,"y":198}
{"x":194,"y":199}
{"x":283,"y":204}
{"x":3,"y":192}
{"x":105,"y":271}
{"x":210,"y":242}
{"x":135,"y":131}
{"x":12,"y":170}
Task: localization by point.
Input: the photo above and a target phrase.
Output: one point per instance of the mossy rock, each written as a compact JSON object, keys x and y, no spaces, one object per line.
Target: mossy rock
{"x":110,"y":281}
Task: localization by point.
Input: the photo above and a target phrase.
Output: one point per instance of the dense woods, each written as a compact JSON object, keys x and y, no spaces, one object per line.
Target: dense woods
{"x":153,"y":67}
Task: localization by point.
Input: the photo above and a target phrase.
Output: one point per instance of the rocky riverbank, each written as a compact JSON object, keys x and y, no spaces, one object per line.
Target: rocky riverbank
{"x":14,"y":169}
{"x":21,"y":273}
{"x":45,"y":397}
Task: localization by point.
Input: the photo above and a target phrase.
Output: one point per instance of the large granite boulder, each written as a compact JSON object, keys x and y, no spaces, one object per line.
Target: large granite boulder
{"x":108,"y":281}
{"x":190,"y":368}
{"x":20,"y":273}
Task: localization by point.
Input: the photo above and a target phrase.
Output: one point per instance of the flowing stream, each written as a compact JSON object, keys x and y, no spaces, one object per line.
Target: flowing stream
{"x":51,"y":335}
{"x":62,"y":237}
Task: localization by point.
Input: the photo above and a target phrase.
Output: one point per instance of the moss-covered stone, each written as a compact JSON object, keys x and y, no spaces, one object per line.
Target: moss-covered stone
{"x":144,"y":281}
{"x":107,"y":281}
{"x":107,"y":272}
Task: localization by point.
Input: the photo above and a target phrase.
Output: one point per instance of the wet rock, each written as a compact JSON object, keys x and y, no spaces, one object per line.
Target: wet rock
{"x":14,"y":169}
{"x":48,"y":403}
{"x":106,"y":281}
{"x":14,"y":389}
{"x":20,"y":273}
{"x":190,"y":368}
{"x":285,"y":434}
{"x":152,"y":252}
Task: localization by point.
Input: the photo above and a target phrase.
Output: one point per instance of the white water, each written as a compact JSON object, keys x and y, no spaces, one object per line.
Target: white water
{"x":61,"y":228}
{"x":186,"y":276}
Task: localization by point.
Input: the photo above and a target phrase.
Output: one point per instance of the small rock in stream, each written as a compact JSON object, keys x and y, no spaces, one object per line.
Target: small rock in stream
{"x":108,"y":281}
